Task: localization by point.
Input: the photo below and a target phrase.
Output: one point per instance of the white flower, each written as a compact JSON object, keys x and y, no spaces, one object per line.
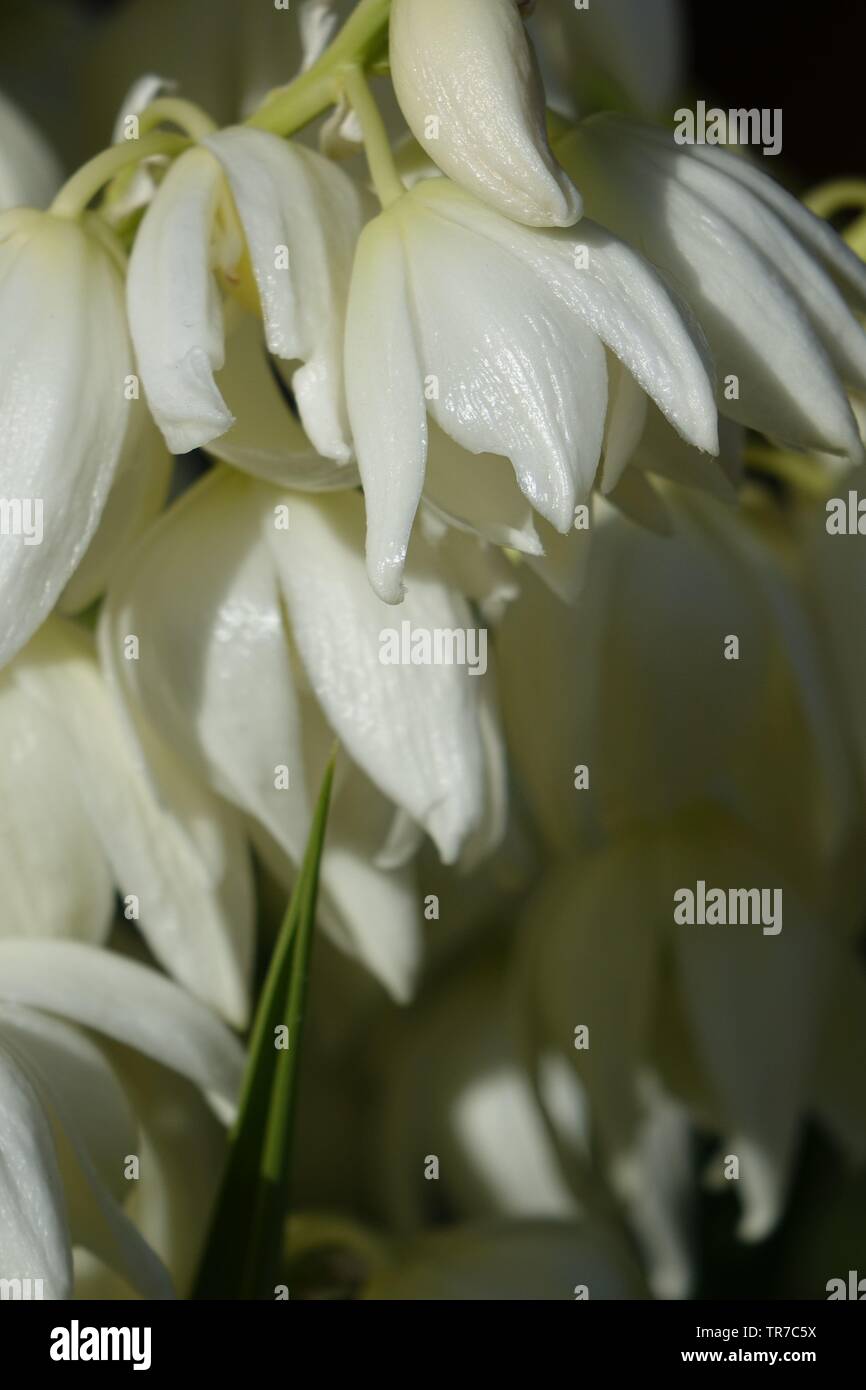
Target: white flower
{"x":69,"y":1125}
{"x":300,"y":217}
{"x":754,"y":1034}
{"x":766,"y":280}
{"x":513,"y":1142}
{"x":639,"y":690}
{"x":64,"y":359}
{"x":80,"y":820}
{"x":29,"y":172}
{"x":500,"y":330}
{"x":234,"y":689}
{"x":466,"y":80}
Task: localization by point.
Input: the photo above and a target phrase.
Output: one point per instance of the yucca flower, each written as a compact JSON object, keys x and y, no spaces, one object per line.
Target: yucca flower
{"x":755,"y":728}
{"x":500,"y":331}
{"x":766,"y":279}
{"x":754,"y":1034}
{"x":65,"y":365}
{"x":467,"y":83}
{"x":280,"y":223}
{"x":70,"y":1124}
{"x":260,"y":641}
{"x":81,"y":821}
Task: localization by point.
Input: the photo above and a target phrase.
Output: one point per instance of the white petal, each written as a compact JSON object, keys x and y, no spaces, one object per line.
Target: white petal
{"x":266,"y":439}
{"x":626,"y":417}
{"x":55,"y":877}
{"x":215,"y":677}
{"x":761,"y":1067}
{"x":127,"y":1002}
{"x":385,"y":394}
{"x":64,"y":354}
{"x":757,"y":328}
{"x":29,"y":172}
{"x":414,"y":730}
{"x":617,"y":294}
{"x":34,"y":1239}
{"x":846,"y":268}
{"x":515,"y":371}
{"x":174,"y":309}
{"x":182,"y":1149}
{"x":591,"y":938}
{"x":288,"y":196}
{"x":137,"y":496}
{"x":471,"y":69}
{"x":477,"y":493}
{"x":94,"y":1134}
{"x":193,"y":895}
{"x":719,"y":188}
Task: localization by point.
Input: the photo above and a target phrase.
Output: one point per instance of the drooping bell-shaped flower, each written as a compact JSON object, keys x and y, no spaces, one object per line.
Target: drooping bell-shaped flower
{"x":254,"y":702}
{"x":500,"y":331}
{"x":81,"y":821}
{"x":70,"y":1125}
{"x":65,"y":362}
{"x":766,"y":279}
{"x":467,"y":82}
{"x":299,"y":218}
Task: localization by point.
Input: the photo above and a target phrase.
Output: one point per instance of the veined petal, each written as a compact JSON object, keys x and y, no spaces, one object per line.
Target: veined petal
{"x":289,"y":196}
{"x":202,"y":596}
{"x":55,"y":876}
{"x":470,"y":70}
{"x":615,"y":292}
{"x":414,"y":730}
{"x":178,"y":860}
{"x":34,"y":1239}
{"x":807,"y":281}
{"x":127,"y":1002}
{"x":94,"y":1132}
{"x":513,"y":371}
{"x":843,"y":264}
{"x":758,"y":329}
{"x":64,"y":355}
{"x":385,"y":393}
{"x":175,"y":315}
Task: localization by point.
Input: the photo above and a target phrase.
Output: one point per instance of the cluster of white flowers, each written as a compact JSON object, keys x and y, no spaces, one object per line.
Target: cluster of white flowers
{"x":359,"y":352}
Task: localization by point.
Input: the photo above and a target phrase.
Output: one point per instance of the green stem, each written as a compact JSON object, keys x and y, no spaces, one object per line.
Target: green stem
{"x":377,"y":146}
{"x":78,"y":191}
{"x":185,"y":114}
{"x":358,"y":43}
